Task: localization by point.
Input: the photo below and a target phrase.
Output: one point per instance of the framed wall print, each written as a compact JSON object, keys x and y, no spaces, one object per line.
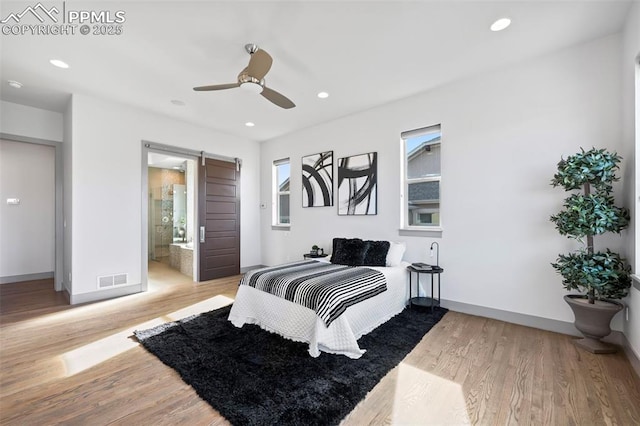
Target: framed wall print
{"x":358,"y":185}
{"x":317,"y":180}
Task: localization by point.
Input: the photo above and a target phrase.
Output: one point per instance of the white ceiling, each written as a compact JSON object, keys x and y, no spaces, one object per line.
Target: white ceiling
{"x":364,"y":53}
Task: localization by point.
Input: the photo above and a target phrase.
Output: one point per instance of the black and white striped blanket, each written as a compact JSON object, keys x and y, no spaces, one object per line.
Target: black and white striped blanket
{"x":325,"y":288}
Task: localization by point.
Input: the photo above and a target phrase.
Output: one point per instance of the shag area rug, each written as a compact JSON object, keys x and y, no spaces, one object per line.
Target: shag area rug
{"x":253,"y":377}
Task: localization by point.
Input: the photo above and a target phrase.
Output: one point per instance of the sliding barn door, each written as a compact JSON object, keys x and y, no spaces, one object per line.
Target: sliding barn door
{"x":219,"y":212}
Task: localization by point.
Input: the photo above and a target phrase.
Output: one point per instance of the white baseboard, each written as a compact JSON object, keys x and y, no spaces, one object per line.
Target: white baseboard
{"x":563,"y":327}
{"x":633,"y":357}
{"x":95,"y":296}
{"x":26,"y":277}
{"x":513,"y":317}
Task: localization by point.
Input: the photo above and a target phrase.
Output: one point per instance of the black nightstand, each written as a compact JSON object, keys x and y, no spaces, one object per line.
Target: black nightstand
{"x":424,"y":302}
{"x":313,"y":256}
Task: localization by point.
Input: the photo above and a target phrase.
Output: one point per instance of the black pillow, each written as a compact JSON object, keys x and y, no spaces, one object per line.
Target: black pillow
{"x":377,"y":253}
{"x":349,"y":252}
{"x":336,"y":243}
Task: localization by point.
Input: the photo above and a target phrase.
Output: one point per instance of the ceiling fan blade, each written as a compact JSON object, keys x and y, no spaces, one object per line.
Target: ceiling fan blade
{"x":277,"y":98}
{"x":259,"y":64}
{"x":216,"y":87}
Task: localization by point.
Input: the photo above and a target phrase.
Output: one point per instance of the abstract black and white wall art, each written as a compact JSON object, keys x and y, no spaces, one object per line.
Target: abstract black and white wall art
{"x":317,"y":180}
{"x":358,"y":185}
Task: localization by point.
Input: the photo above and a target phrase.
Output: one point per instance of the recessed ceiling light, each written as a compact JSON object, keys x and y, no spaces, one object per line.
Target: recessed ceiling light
{"x":323,"y":95}
{"x":177,"y":102}
{"x":249,"y":124}
{"x":58,"y":63}
{"x":500,"y":24}
{"x":14,"y":84}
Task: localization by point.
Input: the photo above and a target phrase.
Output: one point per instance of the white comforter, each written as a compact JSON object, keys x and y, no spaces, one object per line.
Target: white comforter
{"x":301,"y":324}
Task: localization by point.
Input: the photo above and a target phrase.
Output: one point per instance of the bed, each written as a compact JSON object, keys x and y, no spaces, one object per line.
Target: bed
{"x":299,"y":323}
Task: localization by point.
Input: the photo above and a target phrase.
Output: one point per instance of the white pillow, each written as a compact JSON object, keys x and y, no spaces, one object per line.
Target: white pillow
{"x":395,"y":253}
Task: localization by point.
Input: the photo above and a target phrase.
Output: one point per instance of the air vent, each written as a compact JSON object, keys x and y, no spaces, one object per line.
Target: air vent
{"x":107,"y":281}
{"x":119,"y":279}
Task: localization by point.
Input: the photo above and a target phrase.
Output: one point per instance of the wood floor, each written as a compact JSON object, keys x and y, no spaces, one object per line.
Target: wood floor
{"x":467,"y":370}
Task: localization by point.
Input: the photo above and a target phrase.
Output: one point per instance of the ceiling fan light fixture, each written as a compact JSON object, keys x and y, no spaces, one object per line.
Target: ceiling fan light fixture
{"x":252,"y":87}
{"x":323,"y":95}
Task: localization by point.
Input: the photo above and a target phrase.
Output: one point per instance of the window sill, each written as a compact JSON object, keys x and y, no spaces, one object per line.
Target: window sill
{"x":435,"y":232}
{"x":280,"y":227}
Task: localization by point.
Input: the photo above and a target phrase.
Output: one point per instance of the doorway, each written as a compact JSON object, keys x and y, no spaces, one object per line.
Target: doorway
{"x":210,"y":230}
{"x":32,"y":218}
{"x":171,"y":213}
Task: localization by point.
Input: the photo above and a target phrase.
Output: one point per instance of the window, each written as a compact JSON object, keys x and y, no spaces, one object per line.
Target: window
{"x":281,"y":175}
{"x":421,"y":181}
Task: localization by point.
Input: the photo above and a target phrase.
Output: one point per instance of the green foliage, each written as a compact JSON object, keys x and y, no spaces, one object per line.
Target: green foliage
{"x":601,"y":275}
{"x":592,"y":214}
{"x":604,"y":273}
{"x":596,"y":167}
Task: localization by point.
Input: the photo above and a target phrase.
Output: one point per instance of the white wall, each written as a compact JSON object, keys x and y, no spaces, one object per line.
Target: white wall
{"x":27,"y":230}
{"x":502,"y":135}
{"x":67,"y":147}
{"x":107,"y":185}
{"x":631,"y":138}
{"x":31,"y":122}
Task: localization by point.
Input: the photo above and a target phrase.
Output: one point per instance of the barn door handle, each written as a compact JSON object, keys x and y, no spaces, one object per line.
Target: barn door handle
{"x":202,"y":234}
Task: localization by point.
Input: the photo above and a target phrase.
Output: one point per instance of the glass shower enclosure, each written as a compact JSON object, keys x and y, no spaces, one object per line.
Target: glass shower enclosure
{"x":167,"y":211}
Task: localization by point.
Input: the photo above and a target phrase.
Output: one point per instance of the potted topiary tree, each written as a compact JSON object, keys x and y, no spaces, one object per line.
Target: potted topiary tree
{"x":603,"y":277}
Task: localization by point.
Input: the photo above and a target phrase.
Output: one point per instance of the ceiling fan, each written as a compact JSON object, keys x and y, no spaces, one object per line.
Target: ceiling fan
{"x":252,"y":78}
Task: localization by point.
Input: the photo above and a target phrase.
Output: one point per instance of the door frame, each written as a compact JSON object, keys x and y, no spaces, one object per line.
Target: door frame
{"x":150,"y":146}
{"x":58,"y":270}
